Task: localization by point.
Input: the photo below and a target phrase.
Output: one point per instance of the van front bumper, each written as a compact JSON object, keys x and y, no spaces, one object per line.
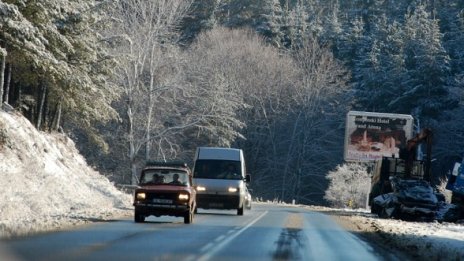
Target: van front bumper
{"x":207,"y":201}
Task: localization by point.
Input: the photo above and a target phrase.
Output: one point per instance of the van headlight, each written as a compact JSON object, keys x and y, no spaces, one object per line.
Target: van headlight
{"x":232,"y":189}
{"x":140,"y":196}
{"x":201,"y":188}
{"x":183,"y":196}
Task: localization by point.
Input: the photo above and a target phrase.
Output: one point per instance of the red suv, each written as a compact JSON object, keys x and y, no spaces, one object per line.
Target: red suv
{"x":165,"y":188}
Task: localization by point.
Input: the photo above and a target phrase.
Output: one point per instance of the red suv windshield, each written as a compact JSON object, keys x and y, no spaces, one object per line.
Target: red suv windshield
{"x":164,"y":177}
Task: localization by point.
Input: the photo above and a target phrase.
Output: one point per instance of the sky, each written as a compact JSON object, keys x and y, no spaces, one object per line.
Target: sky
{"x":47,"y":185}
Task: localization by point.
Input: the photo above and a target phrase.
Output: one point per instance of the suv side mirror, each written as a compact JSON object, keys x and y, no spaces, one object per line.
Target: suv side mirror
{"x":247,"y":178}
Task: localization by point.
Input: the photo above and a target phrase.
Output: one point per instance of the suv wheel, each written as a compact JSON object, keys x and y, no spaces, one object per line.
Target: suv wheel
{"x":138,"y":218}
{"x":188,"y":218}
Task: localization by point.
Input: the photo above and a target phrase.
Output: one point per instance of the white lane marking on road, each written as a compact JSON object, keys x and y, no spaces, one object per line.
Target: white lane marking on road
{"x":206,"y":247}
{"x":227,"y":240}
{"x":219,"y":238}
{"x":191,"y":258}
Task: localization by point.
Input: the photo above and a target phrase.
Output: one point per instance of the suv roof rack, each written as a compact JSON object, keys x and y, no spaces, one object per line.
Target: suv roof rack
{"x":166,"y":163}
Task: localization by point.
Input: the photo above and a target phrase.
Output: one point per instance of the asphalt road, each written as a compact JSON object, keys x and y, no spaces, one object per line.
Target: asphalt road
{"x":267,"y":232}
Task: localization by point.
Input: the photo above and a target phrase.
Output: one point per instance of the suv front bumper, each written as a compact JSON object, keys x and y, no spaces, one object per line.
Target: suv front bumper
{"x":156,"y":209}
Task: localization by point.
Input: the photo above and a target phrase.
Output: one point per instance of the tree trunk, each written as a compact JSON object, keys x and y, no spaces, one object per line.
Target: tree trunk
{"x":8,"y":81}
{"x":54,"y":123}
{"x":46,"y":113}
{"x":57,"y":118}
{"x":134,"y":173}
{"x":41,"y":105}
{"x":132,"y":151}
{"x":2,"y":78}
{"x":18,"y":101}
{"x":150,"y":112}
{"x":148,"y":130}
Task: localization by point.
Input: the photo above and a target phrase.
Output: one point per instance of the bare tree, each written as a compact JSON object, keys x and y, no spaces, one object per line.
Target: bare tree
{"x":143,"y":28}
{"x":283,"y":105}
{"x":216,"y":99}
{"x":316,"y":116}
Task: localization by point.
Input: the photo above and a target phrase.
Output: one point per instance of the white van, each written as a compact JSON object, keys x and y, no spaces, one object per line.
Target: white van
{"x":219,"y":175}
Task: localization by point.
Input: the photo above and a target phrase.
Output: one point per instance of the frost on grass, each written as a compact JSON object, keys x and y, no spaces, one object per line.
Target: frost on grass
{"x":46,"y":184}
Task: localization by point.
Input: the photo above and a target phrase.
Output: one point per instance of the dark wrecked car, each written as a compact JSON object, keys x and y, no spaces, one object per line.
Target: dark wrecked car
{"x":413,"y":200}
{"x":165,"y":189}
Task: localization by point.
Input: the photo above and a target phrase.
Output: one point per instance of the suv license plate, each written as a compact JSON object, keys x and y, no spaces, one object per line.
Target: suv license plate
{"x":160,"y":200}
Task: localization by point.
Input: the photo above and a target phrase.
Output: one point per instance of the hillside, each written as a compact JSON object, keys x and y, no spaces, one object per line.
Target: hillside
{"x":46,"y":184}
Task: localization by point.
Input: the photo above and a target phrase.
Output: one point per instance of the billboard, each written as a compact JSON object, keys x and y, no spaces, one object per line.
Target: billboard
{"x":370,"y":135}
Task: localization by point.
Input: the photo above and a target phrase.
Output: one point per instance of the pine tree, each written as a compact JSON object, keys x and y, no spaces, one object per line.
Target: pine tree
{"x":378,"y":72}
{"x":201,"y":17}
{"x":55,"y":43}
{"x":426,"y":94}
{"x":347,"y":48}
{"x":270,"y":22}
{"x":453,"y":40}
{"x":240,"y":13}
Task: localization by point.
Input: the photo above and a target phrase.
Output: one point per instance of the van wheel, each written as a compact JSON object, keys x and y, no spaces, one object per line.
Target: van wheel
{"x":240,"y":211}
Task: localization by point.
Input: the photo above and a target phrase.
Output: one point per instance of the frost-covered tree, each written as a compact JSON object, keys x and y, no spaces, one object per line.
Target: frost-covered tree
{"x":201,"y":16}
{"x":333,"y":25}
{"x":379,"y":67}
{"x":144,"y":33}
{"x":216,"y":69}
{"x":270,"y":22}
{"x":404,"y":68}
{"x":349,"y":186}
{"x":426,"y":93}
{"x":315,"y":117}
{"x":453,"y":40}
{"x":349,"y":41}
{"x":58,"y":61}
{"x":291,"y":123}
{"x":240,"y":13}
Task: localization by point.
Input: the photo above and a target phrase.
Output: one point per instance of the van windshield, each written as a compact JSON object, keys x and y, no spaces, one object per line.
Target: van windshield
{"x":217,"y":169}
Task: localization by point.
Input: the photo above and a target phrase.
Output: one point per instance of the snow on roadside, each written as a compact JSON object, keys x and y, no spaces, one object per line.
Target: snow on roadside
{"x":419,"y":240}
{"x":46,"y":184}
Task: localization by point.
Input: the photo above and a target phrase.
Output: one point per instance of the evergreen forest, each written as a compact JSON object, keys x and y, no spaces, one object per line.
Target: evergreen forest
{"x":137,"y":80}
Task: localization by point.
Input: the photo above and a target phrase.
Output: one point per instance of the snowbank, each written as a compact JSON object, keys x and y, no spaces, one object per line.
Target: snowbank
{"x":46,"y":184}
{"x":418,"y":240}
